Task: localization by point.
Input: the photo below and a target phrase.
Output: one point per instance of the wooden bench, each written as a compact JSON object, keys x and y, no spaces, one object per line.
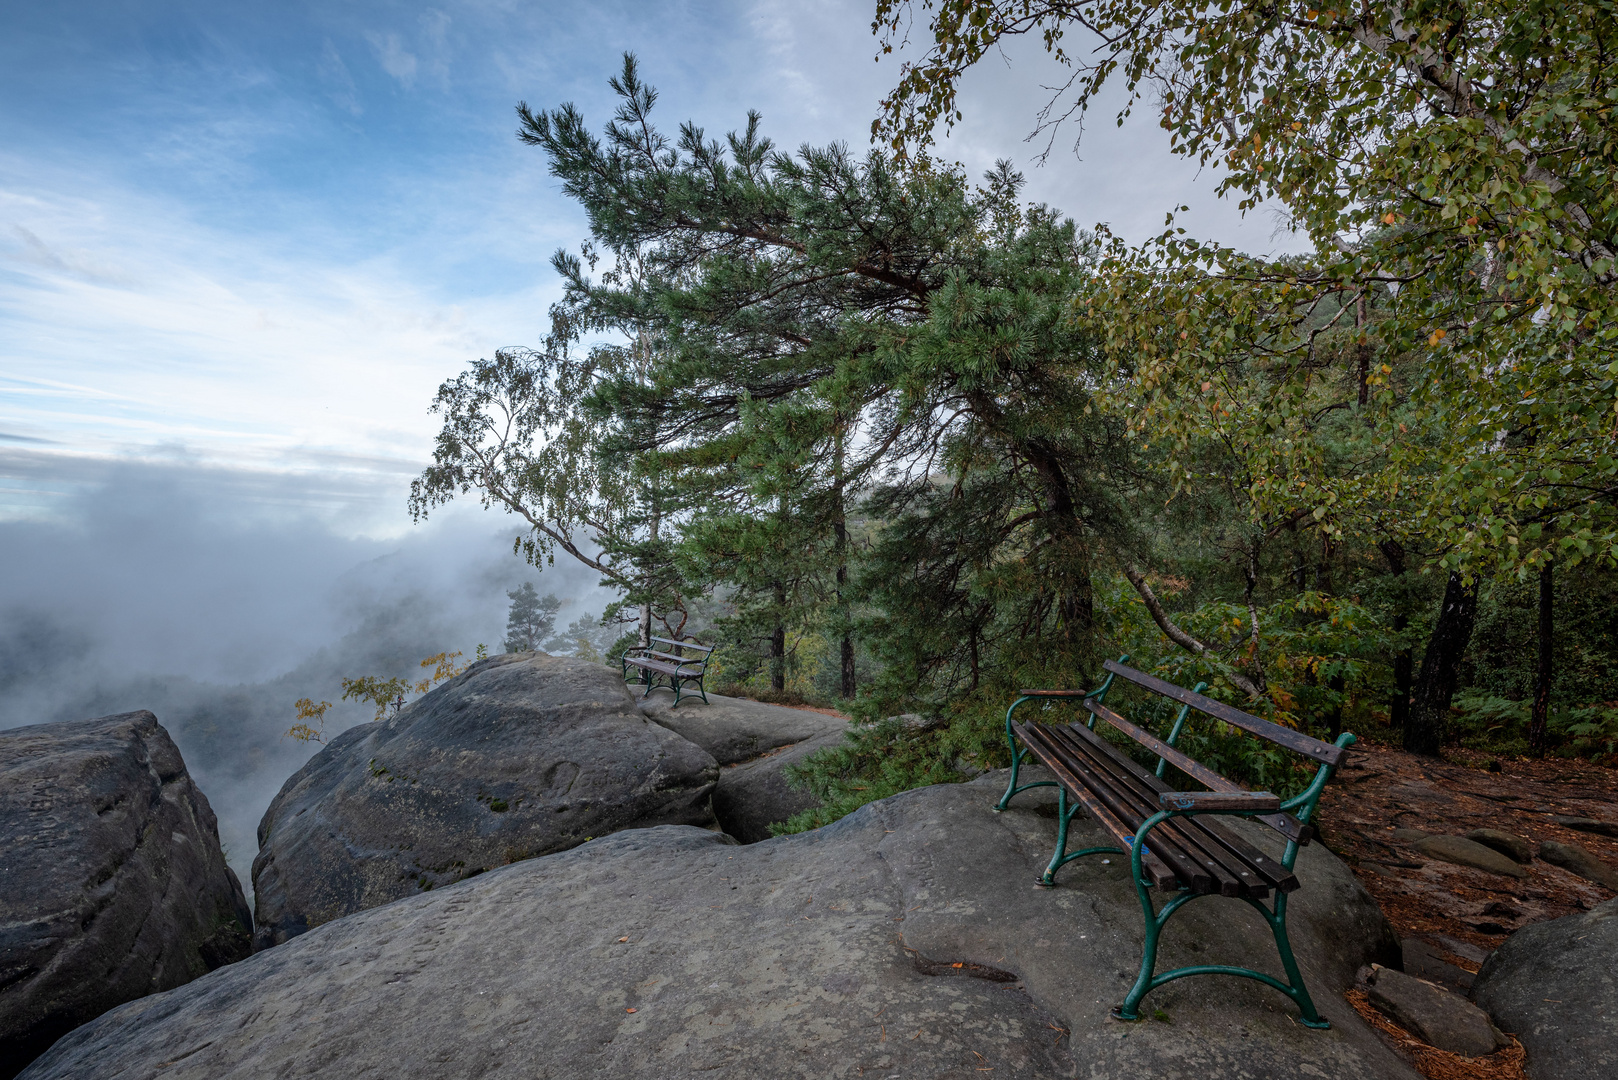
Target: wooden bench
{"x":1174,"y":839}
{"x":654,"y":665}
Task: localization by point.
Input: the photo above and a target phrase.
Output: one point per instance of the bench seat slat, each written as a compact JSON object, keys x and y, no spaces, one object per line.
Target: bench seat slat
{"x":1155,"y":868}
{"x":665,"y":668}
{"x":1285,"y":824}
{"x":1296,"y":741}
{"x":1234,"y":874}
{"x":1270,"y":870}
{"x":1130,"y":811}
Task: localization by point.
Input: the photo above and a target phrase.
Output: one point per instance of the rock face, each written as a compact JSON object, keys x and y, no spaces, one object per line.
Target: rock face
{"x":672,"y":952}
{"x":1554,"y":986}
{"x":1434,"y":1015}
{"x":1464,"y":852}
{"x":1581,"y":861}
{"x":1509,"y":844}
{"x":521,"y":755}
{"x":754,"y":743}
{"x":112,"y":882}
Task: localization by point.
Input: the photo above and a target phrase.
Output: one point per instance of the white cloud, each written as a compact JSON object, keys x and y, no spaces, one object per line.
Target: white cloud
{"x":392,"y":55}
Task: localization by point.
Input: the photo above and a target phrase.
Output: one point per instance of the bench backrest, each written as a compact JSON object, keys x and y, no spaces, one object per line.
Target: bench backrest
{"x":701,"y":650}
{"x":1329,"y":755}
{"x":1323,"y":752}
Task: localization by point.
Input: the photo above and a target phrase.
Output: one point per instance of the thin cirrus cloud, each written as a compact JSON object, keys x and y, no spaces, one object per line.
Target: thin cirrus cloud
{"x":267,"y":235}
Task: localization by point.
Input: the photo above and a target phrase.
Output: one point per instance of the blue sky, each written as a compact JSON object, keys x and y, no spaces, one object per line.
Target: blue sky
{"x":255,"y":237}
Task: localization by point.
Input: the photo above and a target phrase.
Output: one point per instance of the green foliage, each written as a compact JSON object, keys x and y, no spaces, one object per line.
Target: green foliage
{"x":387,"y":695}
{"x":531,"y":619}
{"x":873,"y":762}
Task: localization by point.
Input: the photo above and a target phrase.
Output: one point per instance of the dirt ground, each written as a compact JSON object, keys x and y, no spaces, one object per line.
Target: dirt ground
{"x":1462,"y":911}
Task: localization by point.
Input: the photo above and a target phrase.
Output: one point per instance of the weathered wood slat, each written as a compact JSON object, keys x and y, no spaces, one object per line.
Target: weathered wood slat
{"x":1270,"y":870}
{"x":1192,"y":768}
{"x":1235,"y":874}
{"x":1264,"y":729}
{"x":1156,"y":870}
{"x":1209,"y":874}
{"x":1053,"y":693}
{"x":1132,"y":811}
{"x":1219,"y":800}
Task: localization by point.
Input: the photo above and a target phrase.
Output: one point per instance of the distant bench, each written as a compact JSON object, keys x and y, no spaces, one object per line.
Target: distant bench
{"x":1190,"y":852}
{"x":653,"y":665}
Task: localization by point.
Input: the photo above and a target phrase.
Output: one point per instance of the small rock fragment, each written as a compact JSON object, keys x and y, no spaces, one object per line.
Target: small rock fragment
{"x":1410,"y":836}
{"x":1424,"y":962}
{"x":1581,"y":861}
{"x":1433,"y":1014}
{"x":1463,"y":852}
{"x":1509,"y":844}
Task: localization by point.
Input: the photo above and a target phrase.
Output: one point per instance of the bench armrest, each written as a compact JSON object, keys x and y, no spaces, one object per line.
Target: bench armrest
{"x":1258,"y":802}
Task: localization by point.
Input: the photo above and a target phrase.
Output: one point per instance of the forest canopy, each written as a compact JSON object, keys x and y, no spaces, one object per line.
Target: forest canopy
{"x":893,"y":436}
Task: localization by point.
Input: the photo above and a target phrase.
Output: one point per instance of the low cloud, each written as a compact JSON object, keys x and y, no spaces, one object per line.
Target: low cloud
{"x":170,"y":588}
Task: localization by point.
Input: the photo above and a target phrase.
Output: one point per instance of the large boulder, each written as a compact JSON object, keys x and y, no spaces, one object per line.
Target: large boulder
{"x":754,"y":743}
{"x":112,"y":881}
{"x":1554,"y":986}
{"x":521,"y":755}
{"x":908,"y":939}
{"x":734,"y":730}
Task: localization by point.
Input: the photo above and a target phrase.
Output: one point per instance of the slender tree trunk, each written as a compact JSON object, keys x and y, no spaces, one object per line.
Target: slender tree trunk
{"x":778,"y":644}
{"x":1542,"y":680}
{"x":1363,"y":349}
{"x":1428,"y":721}
{"x":1399,"y":705}
{"x":840,"y":525}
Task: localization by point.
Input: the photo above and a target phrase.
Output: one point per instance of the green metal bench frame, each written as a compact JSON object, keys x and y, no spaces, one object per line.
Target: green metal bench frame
{"x":1301,"y":807}
{"x":653,"y":666}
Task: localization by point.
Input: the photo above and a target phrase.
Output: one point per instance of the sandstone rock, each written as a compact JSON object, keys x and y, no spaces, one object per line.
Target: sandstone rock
{"x":1554,"y":986}
{"x":754,"y":795}
{"x":1409,"y":836}
{"x":755,"y":742}
{"x":1581,"y":861}
{"x":112,"y":882}
{"x":521,"y":755}
{"x":1510,"y":845}
{"x":1464,"y":852}
{"x":735,"y":729}
{"x":1589,"y":825}
{"x":670,"y":952}
{"x":1424,"y":962}
{"x":1434,"y":1015}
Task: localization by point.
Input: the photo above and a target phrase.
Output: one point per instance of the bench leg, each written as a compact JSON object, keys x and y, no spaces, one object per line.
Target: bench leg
{"x":1146,"y":982}
{"x":1062,"y":855}
{"x":1016,"y":766}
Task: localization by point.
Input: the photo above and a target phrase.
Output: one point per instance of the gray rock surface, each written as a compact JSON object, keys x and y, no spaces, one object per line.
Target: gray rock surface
{"x":1581,"y":861}
{"x":112,"y":881}
{"x":754,"y":742}
{"x":1589,"y":825}
{"x":1555,"y":987}
{"x":754,"y":795}
{"x":1514,"y":847}
{"x":1433,"y":1014}
{"x":1463,"y":852}
{"x":672,"y":953}
{"x":734,"y":730}
{"x":520,"y":755}
{"x":1424,"y":962}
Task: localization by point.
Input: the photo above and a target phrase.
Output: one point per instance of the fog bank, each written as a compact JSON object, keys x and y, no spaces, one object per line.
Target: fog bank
{"x":216,"y":603}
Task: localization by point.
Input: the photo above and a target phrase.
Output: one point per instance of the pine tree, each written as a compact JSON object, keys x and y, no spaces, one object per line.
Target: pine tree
{"x":531,"y":620}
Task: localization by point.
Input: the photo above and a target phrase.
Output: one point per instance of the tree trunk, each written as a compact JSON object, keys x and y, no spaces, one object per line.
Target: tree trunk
{"x":1399,"y":706}
{"x":778,"y":645}
{"x":1428,"y":722}
{"x":1542,"y":679}
{"x":840,"y":526}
